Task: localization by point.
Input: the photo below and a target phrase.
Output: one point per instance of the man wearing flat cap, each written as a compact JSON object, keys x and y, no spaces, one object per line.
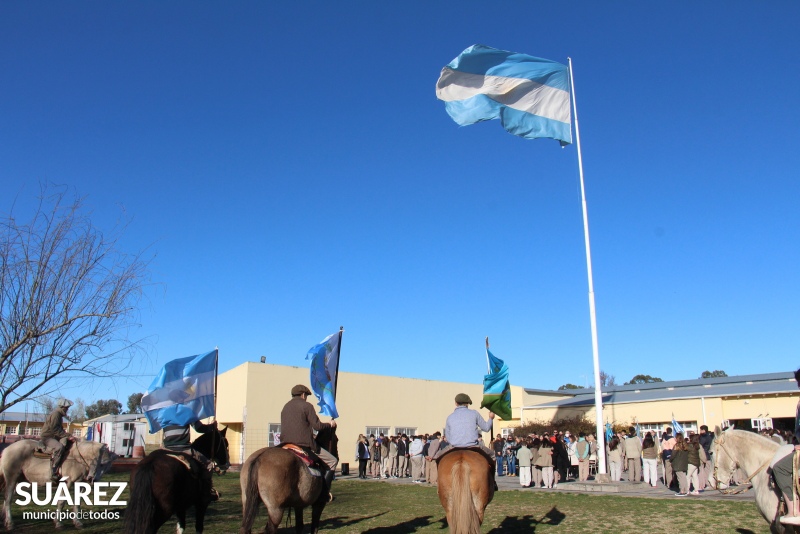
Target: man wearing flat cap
{"x":54,"y":437}
{"x":463,"y":426}
{"x":298,"y":423}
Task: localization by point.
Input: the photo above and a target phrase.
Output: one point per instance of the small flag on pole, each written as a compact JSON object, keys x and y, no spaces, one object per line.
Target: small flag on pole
{"x":530,"y":95}
{"x":609,"y":432}
{"x":677,"y":427}
{"x":182,"y":393}
{"x":324,"y":362}
{"x":496,"y":387}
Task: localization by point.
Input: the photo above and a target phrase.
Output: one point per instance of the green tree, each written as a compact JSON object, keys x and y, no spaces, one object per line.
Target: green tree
{"x":135,"y":403}
{"x":103,"y":407}
{"x":713,"y":374}
{"x":643,"y":379}
{"x":568,"y":386}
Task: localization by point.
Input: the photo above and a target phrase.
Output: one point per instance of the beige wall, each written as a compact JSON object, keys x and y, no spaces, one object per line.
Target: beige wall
{"x":362,"y":400}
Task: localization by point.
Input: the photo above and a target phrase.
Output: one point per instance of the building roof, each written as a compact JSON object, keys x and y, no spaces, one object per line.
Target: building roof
{"x":22,"y":416}
{"x":729,"y":386}
{"x":119,"y":418}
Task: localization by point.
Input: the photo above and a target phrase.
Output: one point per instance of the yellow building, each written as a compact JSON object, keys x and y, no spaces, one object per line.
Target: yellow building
{"x":251,"y":396}
{"x":748,"y":402}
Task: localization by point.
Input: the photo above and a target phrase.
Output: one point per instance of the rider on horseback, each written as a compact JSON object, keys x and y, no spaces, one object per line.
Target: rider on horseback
{"x":783,"y":469}
{"x":177,"y":438}
{"x":462,"y":428}
{"x":298,"y":423}
{"x":54,"y":437}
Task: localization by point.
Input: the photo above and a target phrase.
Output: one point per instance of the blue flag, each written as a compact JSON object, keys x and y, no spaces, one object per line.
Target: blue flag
{"x":609,"y":432}
{"x":324,"y":362}
{"x":530,"y":95}
{"x":676,"y":426}
{"x":182,"y":393}
{"x":496,"y":388}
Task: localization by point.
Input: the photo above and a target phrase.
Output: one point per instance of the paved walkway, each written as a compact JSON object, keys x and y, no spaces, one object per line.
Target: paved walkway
{"x":620,"y":489}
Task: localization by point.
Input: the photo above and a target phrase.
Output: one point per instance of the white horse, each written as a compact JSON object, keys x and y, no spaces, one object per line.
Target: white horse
{"x":86,"y":462}
{"x":752,"y":453}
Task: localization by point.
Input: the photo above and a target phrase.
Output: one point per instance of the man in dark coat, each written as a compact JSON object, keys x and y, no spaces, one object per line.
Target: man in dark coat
{"x":54,"y":437}
{"x":298,"y":423}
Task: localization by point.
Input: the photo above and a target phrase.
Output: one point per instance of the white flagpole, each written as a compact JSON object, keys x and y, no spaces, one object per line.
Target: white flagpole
{"x":598,"y":395}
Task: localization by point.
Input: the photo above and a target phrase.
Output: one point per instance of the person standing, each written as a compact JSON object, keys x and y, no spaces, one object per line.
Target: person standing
{"x":524,"y":458}
{"x":415,"y":455}
{"x":650,"y":460}
{"x":633,"y":454}
{"x":385,"y":456}
{"x":431,"y":470}
{"x":782,"y":468}
{"x":680,"y":464}
{"x":615,"y":459}
{"x":375,"y":459}
{"x":667,"y":444}
{"x":393,"y":456}
{"x":545,"y":461}
{"x":362,"y":453}
{"x":498,"y":445}
{"x":706,"y":469}
{"x":696,"y":456}
{"x":402,"y":456}
{"x":582,"y":449}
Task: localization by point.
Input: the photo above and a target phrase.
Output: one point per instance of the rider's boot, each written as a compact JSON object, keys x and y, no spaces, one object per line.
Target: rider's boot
{"x":53,"y":470}
{"x":328,"y":477}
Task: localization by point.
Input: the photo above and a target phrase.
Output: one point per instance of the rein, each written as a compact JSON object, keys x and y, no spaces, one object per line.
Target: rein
{"x":83,"y":459}
{"x":746,"y":485}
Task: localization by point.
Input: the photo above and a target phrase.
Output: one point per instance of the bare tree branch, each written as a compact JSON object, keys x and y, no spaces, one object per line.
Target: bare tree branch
{"x":68,"y":298}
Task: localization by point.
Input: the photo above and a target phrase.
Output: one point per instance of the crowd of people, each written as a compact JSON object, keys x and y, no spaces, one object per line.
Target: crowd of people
{"x":544,"y":460}
{"x":399,"y":456}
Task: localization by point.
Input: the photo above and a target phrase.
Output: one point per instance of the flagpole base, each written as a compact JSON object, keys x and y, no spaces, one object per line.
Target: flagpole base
{"x":602,"y":478}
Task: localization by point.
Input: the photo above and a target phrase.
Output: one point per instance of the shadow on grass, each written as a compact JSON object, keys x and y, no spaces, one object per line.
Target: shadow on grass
{"x":528,"y":523}
{"x":744,"y":531}
{"x":405,"y":527}
{"x":341,"y":522}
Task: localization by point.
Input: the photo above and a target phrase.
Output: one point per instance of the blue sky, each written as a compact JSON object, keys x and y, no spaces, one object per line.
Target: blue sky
{"x":289,"y":166}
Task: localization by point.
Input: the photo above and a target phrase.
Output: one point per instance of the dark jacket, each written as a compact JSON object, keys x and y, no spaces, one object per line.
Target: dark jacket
{"x":178,"y":438}
{"x":680,"y":460}
{"x":706,"y":440}
{"x":402,"y":448}
{"x":298,"y":421}
{"x":363,"y":451}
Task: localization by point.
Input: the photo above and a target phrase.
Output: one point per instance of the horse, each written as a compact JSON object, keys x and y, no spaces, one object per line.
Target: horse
{"x":279,"y":478}
{"x":86,"y":461}
{"x":752,"y":453}
{"x":162,"y":485}
{"x":465,"y":488}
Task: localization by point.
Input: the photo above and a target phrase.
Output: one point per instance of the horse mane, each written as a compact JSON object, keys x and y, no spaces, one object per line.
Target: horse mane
{"x":752,"y":438}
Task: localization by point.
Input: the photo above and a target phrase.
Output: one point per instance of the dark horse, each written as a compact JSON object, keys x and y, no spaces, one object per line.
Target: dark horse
{"x":162,"y":485}
{"x":279,"y":479}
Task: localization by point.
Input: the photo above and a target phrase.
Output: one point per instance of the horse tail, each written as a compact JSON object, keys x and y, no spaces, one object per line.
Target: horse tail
{"x":140,"y":514}
{"x":464,"y":517}
{"x":250,"y":495}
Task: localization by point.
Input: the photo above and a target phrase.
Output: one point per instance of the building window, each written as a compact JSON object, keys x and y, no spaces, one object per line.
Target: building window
{"x":127,"y":443}
{"x":33,"y":431}
{"x":274,"y":434}
{"x":658,"y":428}
{"x":127,"y":427}
{"x":400,"y":430}
{"x":78,"y":432}
{"x":507,"y":432}
{"x":11,"y":430}
{"x":377,"y":430}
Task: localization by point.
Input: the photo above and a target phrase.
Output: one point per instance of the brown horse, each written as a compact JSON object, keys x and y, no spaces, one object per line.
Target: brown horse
{"x":465,"y":488}
{"x":162,"y":485}
{"x":279,"y":479}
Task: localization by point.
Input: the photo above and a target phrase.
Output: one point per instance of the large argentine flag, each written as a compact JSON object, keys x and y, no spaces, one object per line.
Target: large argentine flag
{"x":182,"y":393}
{"x":529,"y":95}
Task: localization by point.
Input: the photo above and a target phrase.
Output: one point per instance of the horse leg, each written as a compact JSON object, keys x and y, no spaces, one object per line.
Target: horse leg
{"x":199,"y":517}
{"x":11,"y":483}
{"x":181,"y":515}
{"x":316,"y":514}
{"x":274,"y":516}
{"x":298,"y":519}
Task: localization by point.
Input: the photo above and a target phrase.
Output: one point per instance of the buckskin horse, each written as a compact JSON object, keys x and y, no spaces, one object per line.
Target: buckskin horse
{"x":280,"y":479}
{"x":86,"y":461}
{"x":752,"y":453}
{"x":465,"y":488}
{"x":167,"y":483}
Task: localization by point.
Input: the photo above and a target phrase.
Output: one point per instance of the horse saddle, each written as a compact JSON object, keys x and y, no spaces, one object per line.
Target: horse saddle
{"x":40,"y":450}
{"x":310,"y":460}
{"x":476,"y":448}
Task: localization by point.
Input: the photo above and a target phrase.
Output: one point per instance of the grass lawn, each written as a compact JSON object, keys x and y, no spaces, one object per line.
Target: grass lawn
{"x":379,"y":507}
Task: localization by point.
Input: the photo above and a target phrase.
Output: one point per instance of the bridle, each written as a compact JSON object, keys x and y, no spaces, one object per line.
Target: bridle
{"x":90,"y":473}
{"x":719,"y":442}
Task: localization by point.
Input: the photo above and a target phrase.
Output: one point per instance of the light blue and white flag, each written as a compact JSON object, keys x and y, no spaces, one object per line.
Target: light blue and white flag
{"x":530,"y":95}
{"x":182,"y":393}
{"x":324,"y":362}
{"x":677,"y":427}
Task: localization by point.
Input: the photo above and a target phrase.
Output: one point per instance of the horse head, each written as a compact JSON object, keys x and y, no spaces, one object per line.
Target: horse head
{"x":214,"y":445}
{"x":724,"y":463}
{"x":97,"y":458}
